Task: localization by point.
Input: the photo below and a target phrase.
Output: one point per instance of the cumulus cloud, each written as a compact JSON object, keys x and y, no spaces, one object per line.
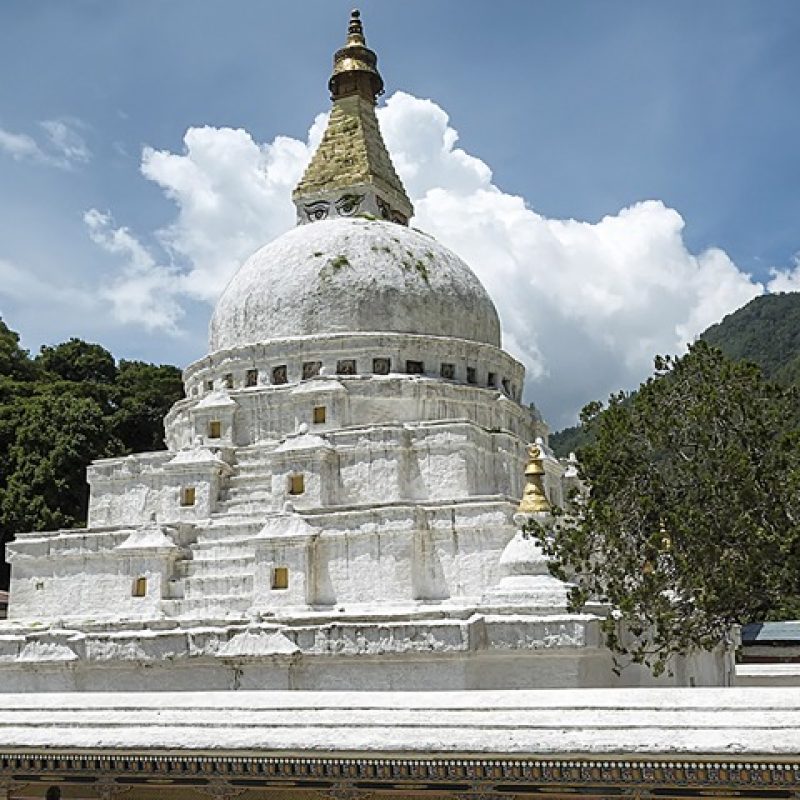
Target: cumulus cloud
{"x":233,"y":195}
{"x":786,"y":280}
{"x":61,"y":146}
{"x":584,"y":305}
{"x":143,"y":292}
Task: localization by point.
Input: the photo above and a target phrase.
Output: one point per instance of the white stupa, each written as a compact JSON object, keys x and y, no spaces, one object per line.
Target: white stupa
{"x":336,"y":506}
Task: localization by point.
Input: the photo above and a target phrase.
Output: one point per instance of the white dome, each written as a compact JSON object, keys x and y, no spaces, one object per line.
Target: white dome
{"x":352,"y":276}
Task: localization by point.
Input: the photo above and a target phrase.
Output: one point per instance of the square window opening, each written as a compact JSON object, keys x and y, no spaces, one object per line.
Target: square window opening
{"x":215,"y":429}
{"x":229,"y":381}
{"x":251,"y":377}
{"x":279,"y":375}
{"x":139,"y":587}
{"x":188,"y":496}
{"x":297,"y":484}
{"x":209,"y":386}
{"x":472,"y":375}
{"x":415,"y":367}
{"x":491,"y":380}
{"x":280,"y":577}
{"x":448,"y":371}
{"x":320,"y":415}
{"x":381,"y":366}
{"x":347,"y":366}
{"x":311,"y":369}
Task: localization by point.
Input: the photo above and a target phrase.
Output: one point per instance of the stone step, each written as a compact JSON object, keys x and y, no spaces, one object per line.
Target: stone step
{"x":246,"y":507}
{"x":235,"y":548}
{"x":250,"y":481}
{"x":249,"y":492}
{"x":219,"y":585}
{"x":207,"y":566}
{"x":209,"y":606}
{"x":227,"y":528}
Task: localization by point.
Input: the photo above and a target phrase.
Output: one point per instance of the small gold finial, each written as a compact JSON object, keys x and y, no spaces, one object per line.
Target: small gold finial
{"x":355,"y":30}
{"x":534,"y":500}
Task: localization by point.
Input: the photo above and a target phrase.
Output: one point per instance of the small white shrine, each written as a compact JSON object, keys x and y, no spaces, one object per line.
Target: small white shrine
{"x":337,"y":506}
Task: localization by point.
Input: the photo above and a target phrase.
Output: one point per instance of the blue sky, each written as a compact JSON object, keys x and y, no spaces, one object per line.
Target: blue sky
{"x":582,"y":109}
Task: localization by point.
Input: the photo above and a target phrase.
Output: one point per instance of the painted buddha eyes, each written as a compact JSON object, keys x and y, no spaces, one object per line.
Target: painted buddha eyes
{"x":345,"y":206}
{"x":317,"y":211}
{"x":348,"y":204}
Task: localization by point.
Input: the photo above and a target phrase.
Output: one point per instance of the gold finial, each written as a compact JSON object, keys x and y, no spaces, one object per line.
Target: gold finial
{"x":355,"y":30}
{"x":355,"y":66}
{"x":534,"y":500}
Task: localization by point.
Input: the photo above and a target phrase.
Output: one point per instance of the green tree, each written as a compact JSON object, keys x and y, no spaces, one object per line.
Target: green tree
{"x":48,"y":441}
{"x":14,"y":361}
{"x":143,"y":394}
{"x":691,"y":524}
{"x":78,"y":361}
{"x":58,"y":412}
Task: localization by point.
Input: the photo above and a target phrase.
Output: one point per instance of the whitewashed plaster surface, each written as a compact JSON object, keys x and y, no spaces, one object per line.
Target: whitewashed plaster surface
{"x":353,"y":275}
{"x":742,"y":723}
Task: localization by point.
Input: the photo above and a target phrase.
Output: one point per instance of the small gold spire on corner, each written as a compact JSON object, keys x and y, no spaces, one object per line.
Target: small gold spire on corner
{"x":534,"y":500}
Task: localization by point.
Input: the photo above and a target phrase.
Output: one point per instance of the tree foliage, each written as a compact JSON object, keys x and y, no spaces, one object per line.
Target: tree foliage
{"x":691,"y":524}
{"x":59,"y":411}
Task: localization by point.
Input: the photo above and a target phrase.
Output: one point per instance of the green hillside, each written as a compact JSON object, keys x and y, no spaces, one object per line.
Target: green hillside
{"x":766,"y":331}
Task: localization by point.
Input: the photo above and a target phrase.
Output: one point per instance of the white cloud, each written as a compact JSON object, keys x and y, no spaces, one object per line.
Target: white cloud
{"x":63,"y":145}
{"x":584,"y":305}
{"x":786,"y":280}
{"x":232,"y":196}
{"x":143,"y":293}
{"x":66,"y":140}
{"x":19,"y":146}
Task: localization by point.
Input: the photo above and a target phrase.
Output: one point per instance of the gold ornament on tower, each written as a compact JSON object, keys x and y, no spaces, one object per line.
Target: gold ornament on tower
{"x":534,"y":500}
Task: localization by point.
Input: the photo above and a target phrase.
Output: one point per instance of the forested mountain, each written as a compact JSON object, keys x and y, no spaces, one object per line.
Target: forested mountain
{"x":766,"y":331}
{"x":70,"y":404}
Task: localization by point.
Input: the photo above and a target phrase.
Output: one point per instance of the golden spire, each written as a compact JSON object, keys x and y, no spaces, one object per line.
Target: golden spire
{"x":351,"y":172}
{"x":355,"y":66}
{"x":534,"y":500}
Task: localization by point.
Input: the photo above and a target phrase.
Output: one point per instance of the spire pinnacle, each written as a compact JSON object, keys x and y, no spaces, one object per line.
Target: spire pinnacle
{"x":355,"y":30}
{"x":355,"y":66}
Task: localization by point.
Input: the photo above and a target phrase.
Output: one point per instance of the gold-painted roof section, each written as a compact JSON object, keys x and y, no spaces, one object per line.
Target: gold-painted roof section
{"x":352,"y":153}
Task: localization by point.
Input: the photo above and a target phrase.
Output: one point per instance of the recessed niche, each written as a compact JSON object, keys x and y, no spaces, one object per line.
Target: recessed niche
{"x":297,"y":484}
{"x":381,"y":366}
{"x":139,"y":587}
{"x":214,"y":429}
{"x":279,"y":375}
{"x":347,"y":366}
{"x":506,"y":385}
{"x":251,"y":377}
{"x":472,"y":375}
{"x":209,"y":386}
{"x":448,"y":371}
{"x":311,"y":369}
{"x":280,"y":577}
{"x":491,"y":380}
{"x":188,"y":496}
{"x":415,"y":367}
{"x":320,"y":414}
{"x":229,"y":380}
